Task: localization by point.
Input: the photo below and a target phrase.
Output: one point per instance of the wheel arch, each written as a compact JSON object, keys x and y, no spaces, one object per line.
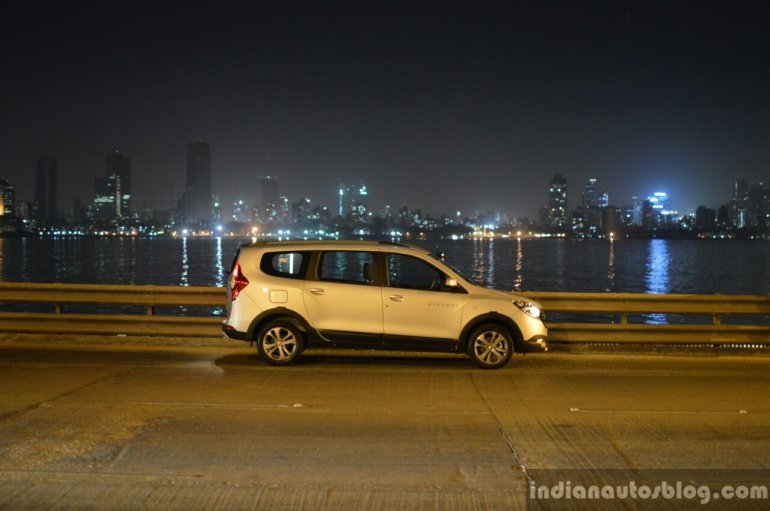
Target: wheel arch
{"x":280,"y":312}
{"x":491,"y":318}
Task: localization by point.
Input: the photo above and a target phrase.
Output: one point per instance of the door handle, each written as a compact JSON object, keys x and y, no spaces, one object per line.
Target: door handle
{"x":396,"y":298}
{"x":316,"y":290}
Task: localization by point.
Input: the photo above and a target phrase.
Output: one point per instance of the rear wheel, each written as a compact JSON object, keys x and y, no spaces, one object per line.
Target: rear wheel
{"x":490,"y":346}
{"x":280,"y":343}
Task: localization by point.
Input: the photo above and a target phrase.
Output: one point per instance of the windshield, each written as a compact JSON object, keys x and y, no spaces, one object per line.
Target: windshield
{"x":440,"y":258}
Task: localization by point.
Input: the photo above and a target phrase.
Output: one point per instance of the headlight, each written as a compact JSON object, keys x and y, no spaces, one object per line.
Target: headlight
{"x":530,"y":309}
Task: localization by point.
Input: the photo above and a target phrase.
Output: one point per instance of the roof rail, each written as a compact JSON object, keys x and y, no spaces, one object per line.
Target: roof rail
{"x":394,"y":244}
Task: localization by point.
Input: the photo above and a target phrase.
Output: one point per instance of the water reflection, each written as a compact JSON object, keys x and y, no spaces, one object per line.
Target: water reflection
{"x":519,"y":280}
{"x":560,"y":264}
{"x":651,"y":266}
{"x":184,"y":280}
{"x":611,"y":268}
{"x":479,"y":261}
{"x":102,"y":260}
{"x":657,"y":278}
{"x":134,"y":261}
{"x":490,"y":282}
{"x":219,"y":273}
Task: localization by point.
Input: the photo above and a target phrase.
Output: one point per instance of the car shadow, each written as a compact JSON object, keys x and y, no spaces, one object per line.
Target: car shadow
{"x":327,"y":358}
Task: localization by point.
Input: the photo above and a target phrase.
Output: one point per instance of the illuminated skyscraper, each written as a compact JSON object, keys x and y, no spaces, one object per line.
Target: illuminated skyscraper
{"x":590,"y":194}
{"x":7,"y":198}
{"x":593,"y":197}
{"x":301,"y":211}
{"x":240,"y":212}
{"x":557,"y":202}
{"x":660,"y":203}
{"x":197,"y":194}
{"x":353,"y":203}
{"x":104,"y":206}
{"x":740,"y":202}
{"x":118,"y":170}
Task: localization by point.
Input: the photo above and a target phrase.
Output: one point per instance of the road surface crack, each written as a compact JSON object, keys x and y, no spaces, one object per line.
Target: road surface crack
{"x":8,"y":417}
{"x":501,"y":428}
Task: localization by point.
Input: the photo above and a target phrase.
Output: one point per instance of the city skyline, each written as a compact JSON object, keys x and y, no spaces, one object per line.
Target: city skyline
{"x":198,"y":209}
{"x":192,"y":203}
{"x":428,"y":103}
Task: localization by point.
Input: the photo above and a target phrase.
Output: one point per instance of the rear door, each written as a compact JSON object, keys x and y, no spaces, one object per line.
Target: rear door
{"x":342,"y":300}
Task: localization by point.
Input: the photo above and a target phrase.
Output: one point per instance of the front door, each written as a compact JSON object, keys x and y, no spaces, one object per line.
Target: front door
{"x":418,"y":311}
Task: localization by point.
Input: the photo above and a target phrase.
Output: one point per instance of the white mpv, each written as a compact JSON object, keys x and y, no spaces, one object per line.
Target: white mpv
{"x":287,"y":296}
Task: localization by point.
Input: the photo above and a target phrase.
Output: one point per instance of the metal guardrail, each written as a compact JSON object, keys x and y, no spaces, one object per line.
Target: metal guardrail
{"x":624,"y":305}
{"x":149,"y":297}
{"x":617,"y":307}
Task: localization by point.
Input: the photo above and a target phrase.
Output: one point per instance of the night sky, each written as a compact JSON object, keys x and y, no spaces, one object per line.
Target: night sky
{"x":441,"y":105}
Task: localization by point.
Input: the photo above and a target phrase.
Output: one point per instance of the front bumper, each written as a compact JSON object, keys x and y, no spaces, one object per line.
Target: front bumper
{"x":535,"y":344}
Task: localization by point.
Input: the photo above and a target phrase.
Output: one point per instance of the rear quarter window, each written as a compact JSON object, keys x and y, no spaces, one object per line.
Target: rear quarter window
{"x":285,"y":264}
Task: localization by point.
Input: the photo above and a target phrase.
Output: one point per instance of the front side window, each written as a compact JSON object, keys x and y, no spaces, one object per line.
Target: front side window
{"x":413,"y":273}
{"x":346,"y":266}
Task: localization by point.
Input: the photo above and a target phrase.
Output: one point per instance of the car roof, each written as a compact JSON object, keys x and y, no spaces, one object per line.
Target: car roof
{"x":334,"y":244}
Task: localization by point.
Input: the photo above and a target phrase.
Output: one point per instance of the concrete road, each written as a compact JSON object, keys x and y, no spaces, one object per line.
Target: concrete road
{"x":102,"y":427}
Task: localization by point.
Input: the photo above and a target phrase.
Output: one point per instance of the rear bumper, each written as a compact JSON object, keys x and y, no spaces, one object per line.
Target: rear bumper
{"x":232,"y":333}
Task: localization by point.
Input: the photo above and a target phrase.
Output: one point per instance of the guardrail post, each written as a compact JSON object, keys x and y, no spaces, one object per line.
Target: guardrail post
{"x":624,"y":319}
{"x":57,"y":308}
{"x":150,"y":310}
{"x":717,"y":319}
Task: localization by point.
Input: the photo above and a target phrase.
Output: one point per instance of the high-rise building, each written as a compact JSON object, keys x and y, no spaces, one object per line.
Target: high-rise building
{"x":301,"y":211}
{"x":197,"y":195}
{"x":353,"y":203}
{"x":593,"y":196}
{"x":590,"y":192}
{"x":284,"y":210}
{"x":648,"y":215}
{"x":45,"y":191}
{"x":557,"y":202}
{"x":216,"y":211}
{"x":7,"y":198}
{"x":740,"y":203}
{"x":105,"y":193}
{"x":662,"y":213}
{"x":758,"y":208}
{"x":112,"y":190}
{"x":118,"y":170}
{"x":705,"y":218}
{"x":267,"y":209}
{"x":241,"y":212}
{"x":660,"y":202}
{"x":634,"y":211}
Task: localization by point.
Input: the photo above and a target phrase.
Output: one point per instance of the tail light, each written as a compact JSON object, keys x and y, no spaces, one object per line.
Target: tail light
{"x":238,"y":281}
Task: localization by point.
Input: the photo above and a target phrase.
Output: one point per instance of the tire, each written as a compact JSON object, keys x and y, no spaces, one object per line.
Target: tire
{"x":490,"y":346}
{"x":280,"y":343}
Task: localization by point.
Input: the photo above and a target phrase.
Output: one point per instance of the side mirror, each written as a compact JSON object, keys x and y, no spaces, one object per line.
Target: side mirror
{"x":451,"y":283}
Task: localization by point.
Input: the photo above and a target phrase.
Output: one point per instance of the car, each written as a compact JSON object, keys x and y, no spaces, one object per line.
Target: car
{"x":288,"y":295}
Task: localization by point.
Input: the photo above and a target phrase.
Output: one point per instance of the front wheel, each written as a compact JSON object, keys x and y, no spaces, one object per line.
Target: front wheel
{"x":490,"y":346}
{"x":279,"y":343}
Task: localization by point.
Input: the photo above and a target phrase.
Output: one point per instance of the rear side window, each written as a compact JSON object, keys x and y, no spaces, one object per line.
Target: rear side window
{"x":350,"y":267}
{"x":285,"y":264}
